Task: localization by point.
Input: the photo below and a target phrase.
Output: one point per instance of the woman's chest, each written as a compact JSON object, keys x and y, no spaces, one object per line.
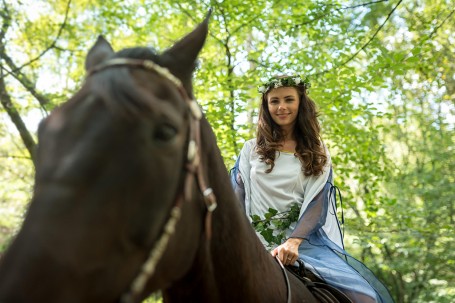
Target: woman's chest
{"x":286,"y":174}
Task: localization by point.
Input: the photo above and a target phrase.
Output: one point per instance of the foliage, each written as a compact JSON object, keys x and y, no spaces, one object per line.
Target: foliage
{"x":154,"y":298}
{"x":382,"y":74}
{"x":274,"y":225}
{"x":15,"y":187}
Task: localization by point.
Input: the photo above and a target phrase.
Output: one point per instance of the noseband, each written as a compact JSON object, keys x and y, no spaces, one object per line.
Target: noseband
{"x":193,"y":168}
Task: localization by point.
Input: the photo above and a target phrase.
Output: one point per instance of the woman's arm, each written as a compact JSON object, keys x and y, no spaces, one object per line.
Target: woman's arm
{"x":313,"y":218}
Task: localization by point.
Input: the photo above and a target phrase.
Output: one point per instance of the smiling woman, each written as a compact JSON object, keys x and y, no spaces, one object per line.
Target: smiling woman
{"x":283,"y":105}
{"x":288,"y":164}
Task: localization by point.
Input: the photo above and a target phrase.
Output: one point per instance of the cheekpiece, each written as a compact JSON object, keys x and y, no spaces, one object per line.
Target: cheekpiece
{"x":283,"y":82}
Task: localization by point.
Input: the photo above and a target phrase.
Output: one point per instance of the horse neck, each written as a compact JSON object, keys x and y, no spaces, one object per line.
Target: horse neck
{"x":244,"y":271}
{"x":237,"y":251}
{"x":232,"y":265}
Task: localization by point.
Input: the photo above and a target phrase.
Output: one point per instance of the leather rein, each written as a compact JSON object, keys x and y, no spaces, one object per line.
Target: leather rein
{"x":193,"y":168}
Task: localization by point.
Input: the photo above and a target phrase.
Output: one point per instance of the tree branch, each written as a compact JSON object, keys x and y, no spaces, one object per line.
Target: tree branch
{"x":5,"y":100}
{"x":23,"y":79}
{"x":397,"y":278}
{"x":365,"y":45}
{"x":441,"y":24}
{"x":15,"y":157}
{"x":4,"y":13}
{"x":363,"y":4}
{"x":51,"y":46}
{"x":16,"y":71}
{"x":190,"y":16}
{"x":321,"y":16}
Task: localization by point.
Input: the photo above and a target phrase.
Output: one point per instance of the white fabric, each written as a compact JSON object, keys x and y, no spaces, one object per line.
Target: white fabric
{"x":282,"y":187}
{"x":322,"y":249}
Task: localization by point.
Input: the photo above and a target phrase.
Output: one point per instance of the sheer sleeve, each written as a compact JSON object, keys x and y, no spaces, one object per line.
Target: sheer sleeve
{"x":315,"y":214}
{"x":237,"y":183}
{"x":240,"y":175}
{"x":318,"y":212}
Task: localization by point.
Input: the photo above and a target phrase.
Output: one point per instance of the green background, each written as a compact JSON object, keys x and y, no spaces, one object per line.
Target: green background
{"x":382,"y":74}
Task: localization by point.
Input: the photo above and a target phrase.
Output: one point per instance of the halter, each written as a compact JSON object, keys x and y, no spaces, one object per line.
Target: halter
{"x":193,"y":166}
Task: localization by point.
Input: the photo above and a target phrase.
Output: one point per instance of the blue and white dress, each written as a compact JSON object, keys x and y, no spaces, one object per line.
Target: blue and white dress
{"x":322,"y":249}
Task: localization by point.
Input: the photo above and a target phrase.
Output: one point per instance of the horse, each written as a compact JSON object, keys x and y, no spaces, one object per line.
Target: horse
{"x":131,"y":195}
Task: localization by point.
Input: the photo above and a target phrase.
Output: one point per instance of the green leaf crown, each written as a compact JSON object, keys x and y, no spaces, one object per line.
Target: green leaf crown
{"x":276,"y":82}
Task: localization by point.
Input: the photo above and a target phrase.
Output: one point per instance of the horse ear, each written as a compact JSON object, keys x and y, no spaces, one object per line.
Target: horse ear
{"x":98,"y":53}
{"x":180,"y":59}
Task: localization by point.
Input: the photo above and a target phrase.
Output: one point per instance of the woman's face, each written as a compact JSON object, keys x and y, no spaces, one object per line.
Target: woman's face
{"x":283,"y":105}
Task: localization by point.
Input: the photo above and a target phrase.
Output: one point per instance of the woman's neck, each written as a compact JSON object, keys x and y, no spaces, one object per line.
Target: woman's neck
{"x":288,"y":143}
{"x":288,"y":146}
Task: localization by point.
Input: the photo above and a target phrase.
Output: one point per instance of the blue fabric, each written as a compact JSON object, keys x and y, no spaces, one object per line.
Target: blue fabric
{"x":237,"y":183}
{"x":323,"y":257}
{"x":314,"y":216}
{"x":234,"y":173}
{"x":337,"y":268}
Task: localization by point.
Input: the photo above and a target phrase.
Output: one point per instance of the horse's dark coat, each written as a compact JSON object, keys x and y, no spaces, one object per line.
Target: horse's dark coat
{"x":110,"y":164}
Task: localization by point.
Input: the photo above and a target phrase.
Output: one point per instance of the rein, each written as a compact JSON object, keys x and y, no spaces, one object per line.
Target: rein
{"x":288,"y":285}
{"x":193,"y":169}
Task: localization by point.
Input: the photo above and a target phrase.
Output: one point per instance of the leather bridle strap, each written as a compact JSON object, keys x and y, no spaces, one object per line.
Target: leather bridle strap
{"x":193,"y":167}
{"x":207,"y":192}
{"x":288,"y":285}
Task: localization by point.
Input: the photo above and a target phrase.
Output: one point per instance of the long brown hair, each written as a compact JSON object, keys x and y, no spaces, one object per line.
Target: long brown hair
{"x":309,"y":149}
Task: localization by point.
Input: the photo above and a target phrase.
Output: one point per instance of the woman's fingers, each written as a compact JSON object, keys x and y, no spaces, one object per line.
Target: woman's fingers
{"x":286,"y":256}
{"x":290,"y":259}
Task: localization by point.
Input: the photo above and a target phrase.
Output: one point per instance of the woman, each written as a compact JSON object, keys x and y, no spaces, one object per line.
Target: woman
{"x":286,"y":164}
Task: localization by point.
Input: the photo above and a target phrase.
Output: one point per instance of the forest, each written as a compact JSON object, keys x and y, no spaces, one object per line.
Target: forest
{"x":382,"y":74}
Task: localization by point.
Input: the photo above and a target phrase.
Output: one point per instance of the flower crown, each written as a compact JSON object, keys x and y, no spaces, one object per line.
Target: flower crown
{"x":284,"y":81}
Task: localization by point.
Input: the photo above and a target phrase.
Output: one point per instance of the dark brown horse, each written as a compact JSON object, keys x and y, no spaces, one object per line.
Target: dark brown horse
{"x":122,"y":205}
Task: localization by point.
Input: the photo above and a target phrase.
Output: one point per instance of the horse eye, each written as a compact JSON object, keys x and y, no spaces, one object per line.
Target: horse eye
{"x":165,"y":132}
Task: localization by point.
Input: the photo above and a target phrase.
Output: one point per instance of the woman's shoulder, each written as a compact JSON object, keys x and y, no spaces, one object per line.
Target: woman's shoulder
{"x":248,"y":146}
{"x":251,"y":142}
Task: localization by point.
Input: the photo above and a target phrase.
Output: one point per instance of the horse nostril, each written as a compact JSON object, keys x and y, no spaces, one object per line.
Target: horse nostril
{"x":165,"y":132}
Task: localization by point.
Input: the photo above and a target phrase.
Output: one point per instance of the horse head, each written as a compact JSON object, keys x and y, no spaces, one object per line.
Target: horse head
{"x":121,"y":204}
{"x":112,"y":176}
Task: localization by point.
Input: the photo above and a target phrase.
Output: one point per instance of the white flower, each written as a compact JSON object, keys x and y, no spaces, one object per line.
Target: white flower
{"x":278,"y":84}
{"x":262,"y":89}
{"x":297,"y":80}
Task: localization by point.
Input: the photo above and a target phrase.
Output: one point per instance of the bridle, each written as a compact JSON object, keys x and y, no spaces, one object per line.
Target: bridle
{"x":193,"y":167}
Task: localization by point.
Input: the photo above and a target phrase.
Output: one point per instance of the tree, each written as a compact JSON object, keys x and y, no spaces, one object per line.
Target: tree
{"x":381,"y":72}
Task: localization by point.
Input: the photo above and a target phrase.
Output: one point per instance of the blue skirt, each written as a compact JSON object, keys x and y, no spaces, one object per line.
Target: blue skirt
{"x":337,"y":268}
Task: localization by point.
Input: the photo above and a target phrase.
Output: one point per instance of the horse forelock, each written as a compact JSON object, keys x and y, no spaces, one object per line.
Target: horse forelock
{"x":131,"y":91}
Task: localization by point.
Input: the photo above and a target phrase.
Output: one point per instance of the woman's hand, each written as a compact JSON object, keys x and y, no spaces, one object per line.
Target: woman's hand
{"x":288,"y":252}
